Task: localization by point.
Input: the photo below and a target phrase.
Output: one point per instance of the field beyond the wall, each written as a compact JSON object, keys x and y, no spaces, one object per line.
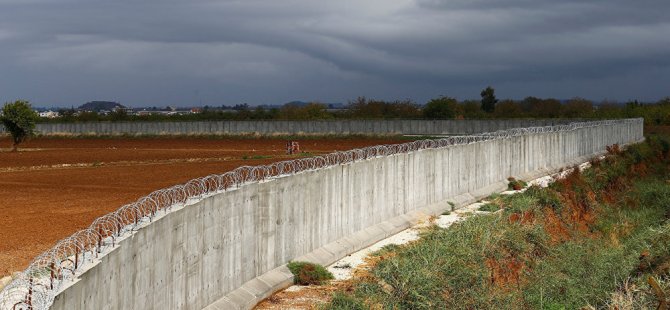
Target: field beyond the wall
{"x":53,"y":187}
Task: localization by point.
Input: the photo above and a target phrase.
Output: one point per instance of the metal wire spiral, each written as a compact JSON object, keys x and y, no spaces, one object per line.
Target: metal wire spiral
{"x":37,"y":286}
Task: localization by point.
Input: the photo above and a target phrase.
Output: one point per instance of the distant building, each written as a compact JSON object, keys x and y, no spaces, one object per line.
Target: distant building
{"x":120,"y":108}
{"x":49,"y":114}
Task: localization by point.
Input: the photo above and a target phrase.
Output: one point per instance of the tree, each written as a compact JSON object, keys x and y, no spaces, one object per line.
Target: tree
{"x":577,"y":108}
{"x":370,"y":108}
{"x":312,"y":110}
{"x":441,"y":108}
{"x":19,"y":120}
{"x":488,"y":99}
{"x":118,"y":115}
{"x":472,"y":109}
{"x":542,"y":108}
{"x":508,"y":109}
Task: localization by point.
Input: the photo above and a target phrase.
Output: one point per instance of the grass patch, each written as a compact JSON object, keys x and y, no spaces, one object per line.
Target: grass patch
{"x":309,"y":274}
{"x":489,"y":207}
{"x":342,"y":301}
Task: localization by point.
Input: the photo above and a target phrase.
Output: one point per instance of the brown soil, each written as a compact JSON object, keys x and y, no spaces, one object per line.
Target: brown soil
{"x":305,"y":297}
{"x":54,"y":187}
{"x":522,"y":218}
{"x":554,"y":226}
{"x":506,"y":272}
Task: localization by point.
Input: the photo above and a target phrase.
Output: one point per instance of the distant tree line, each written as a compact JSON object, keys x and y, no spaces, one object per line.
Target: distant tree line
{"x":443,"y":107}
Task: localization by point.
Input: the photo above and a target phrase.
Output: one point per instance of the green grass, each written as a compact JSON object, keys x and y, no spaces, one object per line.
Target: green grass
{"x":344,"y":302}
{"x":489,"y":207}
{"x":309,"y":274}
{"x":575,"y":244}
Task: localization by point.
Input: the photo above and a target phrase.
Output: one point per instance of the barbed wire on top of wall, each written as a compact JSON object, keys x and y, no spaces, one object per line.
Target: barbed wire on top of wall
{"x":37,"y":286}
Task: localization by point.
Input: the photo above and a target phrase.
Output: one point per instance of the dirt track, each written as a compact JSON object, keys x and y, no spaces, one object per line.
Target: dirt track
{"x":54,"y":187}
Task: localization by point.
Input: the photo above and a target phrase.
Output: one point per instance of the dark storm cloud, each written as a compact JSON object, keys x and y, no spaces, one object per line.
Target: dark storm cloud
{"x":174,"y":52}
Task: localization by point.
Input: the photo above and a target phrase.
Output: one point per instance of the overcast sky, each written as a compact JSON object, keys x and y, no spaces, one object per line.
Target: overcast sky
{"x":169,"y":52}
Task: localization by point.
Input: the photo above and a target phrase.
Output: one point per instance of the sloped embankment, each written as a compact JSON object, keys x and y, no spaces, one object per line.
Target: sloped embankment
{"x":597,"y":238}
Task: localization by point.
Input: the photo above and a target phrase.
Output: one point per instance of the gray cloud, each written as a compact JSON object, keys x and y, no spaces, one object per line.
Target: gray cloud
{"x":159,"y":52}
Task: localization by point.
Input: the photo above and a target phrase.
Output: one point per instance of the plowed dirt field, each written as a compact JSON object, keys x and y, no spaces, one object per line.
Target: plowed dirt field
{"x":53,"y":187}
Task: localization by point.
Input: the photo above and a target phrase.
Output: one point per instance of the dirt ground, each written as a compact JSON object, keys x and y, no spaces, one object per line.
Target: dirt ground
{"x":53,"y":187}
{"x":303,"y":297}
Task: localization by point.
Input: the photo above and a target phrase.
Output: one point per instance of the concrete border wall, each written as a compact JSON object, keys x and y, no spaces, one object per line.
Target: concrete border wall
{"x":278,"y":127}
{"x":223,"y":250}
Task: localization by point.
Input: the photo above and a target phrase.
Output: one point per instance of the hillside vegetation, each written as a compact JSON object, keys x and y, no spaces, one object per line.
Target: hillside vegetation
{"x":596,"y":239}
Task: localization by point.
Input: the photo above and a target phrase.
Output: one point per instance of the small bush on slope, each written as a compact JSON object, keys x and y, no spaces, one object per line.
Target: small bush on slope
{"x":309,"y":274}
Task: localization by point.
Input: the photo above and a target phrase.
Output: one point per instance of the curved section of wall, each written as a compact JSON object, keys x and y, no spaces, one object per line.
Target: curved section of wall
{"x":197,"y":252}
{"x":274,"y":127}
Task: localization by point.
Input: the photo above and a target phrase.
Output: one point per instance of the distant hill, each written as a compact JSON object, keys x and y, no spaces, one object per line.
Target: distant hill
{"x":98,"y":106}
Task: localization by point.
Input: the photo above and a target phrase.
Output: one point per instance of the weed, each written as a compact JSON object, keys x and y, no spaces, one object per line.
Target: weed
{"x":613,"y":149}
{"x":515,"y":184}
{"x":493,"y":196}
{"x":309,"y":274}
{"x":344,"y":302}
{"x":489,"y":207}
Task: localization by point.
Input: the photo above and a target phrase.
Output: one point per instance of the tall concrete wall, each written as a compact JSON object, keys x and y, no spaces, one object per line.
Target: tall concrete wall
{"x":370,"y":127}
{"x":193,"y":256}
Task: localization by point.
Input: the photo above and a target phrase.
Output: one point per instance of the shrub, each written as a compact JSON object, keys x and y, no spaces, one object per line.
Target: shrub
{"x":309,"y":274}
{"x":441,"y":108}
{"x":515,"y":184}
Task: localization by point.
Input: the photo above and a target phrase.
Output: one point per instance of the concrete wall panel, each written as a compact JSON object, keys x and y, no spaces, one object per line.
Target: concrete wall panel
{"x":269,"y":127}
